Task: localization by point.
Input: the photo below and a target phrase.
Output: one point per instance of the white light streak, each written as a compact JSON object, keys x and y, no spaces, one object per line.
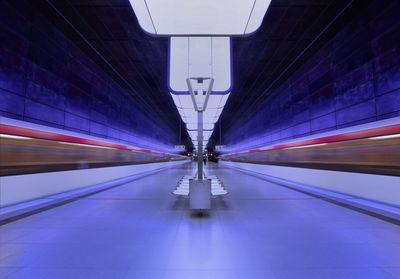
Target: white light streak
{"x":85,"y":145}
{"x":385,"y":137}
{"x":5,"y":136}
{"x":306,"y":146}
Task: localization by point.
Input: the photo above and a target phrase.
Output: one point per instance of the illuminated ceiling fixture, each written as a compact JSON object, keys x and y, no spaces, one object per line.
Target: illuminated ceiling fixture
{"x":200,"y":47}
{"x":200,"y":57}
{"x":200,"y":17}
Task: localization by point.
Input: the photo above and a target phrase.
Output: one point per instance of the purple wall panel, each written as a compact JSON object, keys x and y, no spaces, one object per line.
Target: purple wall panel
{"x":388,"y":103}
{"x":76,"y":122}
{"x":12,"y":103}
{"x":46,"y":79}
{"x":44,"y":113}
{"x":353,"y":79}
{"x":12,"y":81}
{"x":357,"y":112}
{"x":388,"y":81}
{"x":324,"y":122}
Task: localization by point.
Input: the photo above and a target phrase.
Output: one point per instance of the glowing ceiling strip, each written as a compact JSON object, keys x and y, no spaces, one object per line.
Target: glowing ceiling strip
{"x":205,"y":56}
{"x":200,"y":57}
{"x":200,"y":17}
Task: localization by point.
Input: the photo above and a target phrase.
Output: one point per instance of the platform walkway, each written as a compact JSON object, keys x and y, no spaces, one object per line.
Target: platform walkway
{"x":259,"y":230}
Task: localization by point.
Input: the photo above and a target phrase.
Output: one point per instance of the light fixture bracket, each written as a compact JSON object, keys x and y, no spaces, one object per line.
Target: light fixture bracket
{"x":199,"y":96}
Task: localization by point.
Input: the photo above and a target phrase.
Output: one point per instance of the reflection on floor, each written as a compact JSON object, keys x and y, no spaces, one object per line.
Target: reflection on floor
{"x":141,"y":230}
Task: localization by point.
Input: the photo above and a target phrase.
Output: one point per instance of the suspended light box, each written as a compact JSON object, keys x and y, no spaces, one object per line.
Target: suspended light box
{"x":200,"y":17}
{"x":193,"y":126}
{"x":194,"y":57}
{"x":200,"y":47}
{"x":200,"y":57}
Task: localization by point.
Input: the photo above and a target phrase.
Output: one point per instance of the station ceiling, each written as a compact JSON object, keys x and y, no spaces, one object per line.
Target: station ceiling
{"x":108,"y":31}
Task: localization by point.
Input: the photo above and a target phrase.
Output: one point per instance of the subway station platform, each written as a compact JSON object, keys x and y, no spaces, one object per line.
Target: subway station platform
{"x":110,"y":110}
{"x":258,"y":230}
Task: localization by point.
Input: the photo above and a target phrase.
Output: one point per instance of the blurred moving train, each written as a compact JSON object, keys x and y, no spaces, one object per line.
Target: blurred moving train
{"x":25,"y":151}
{"x":375,"y":151}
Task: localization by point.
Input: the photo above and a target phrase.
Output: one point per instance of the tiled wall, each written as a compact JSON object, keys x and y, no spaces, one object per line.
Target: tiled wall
{"x":353,"y":79}
{"x":46,"y":79}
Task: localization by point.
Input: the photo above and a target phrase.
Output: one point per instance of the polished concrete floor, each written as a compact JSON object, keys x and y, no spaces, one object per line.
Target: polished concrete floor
{"x":140,"y":230}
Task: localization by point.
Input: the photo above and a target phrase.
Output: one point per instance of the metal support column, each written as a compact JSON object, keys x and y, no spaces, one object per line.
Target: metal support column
{"x":200,"y":145}
{"x":201,"y":188}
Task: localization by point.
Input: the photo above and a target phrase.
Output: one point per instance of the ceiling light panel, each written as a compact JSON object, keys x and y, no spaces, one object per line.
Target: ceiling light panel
{"x":214,"y":101}
{"x":193,"y":126}
{"x":200,"y":17}
{"x":200,"y":57}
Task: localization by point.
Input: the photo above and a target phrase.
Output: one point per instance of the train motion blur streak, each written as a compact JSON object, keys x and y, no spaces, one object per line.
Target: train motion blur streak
{"x":375,"y":151}
{"x":26,"y":151}
{"x":23,"y":152}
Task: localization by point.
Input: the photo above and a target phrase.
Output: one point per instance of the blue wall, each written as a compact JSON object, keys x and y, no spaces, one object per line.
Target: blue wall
{"x":46,"y":79}
{"x":352,"y":79}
